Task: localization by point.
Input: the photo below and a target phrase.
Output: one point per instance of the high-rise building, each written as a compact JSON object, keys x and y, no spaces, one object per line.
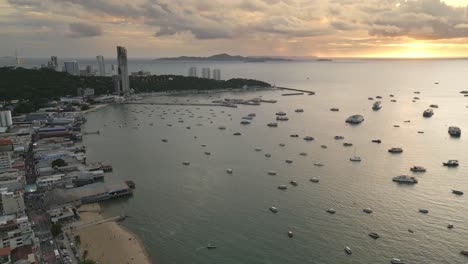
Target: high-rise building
{"x":5,"y":118}
{"x":217,"y":74}
{"x":72,"y":67}
{"x":192,"y":72}
{"x":53,"y":63}
{"x":116,"y":82}
{"x":89,"y":70}
{"x":101,"y":65}
{"x":206,"y":73}
{"x":122,"y":70}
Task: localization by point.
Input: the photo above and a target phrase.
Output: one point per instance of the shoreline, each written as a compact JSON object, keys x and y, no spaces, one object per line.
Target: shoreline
{"x":109,"y":242}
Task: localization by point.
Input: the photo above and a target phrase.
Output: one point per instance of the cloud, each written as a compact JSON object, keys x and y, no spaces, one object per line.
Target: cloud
{"x":81,"y":30}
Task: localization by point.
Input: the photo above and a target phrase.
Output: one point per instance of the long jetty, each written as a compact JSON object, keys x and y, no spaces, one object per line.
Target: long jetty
{"x":297,"y":90}
{"x":184,"y":104}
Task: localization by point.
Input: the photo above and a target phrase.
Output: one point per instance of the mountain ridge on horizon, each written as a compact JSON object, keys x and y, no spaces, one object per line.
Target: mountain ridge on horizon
{"x":226,"y":57}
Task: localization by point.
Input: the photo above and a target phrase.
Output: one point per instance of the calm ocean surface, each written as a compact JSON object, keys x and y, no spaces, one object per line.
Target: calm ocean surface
{"x":177,"y":210}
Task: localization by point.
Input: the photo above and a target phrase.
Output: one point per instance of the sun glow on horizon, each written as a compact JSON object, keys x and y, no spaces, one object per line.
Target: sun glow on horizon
{"x":421,"y":50}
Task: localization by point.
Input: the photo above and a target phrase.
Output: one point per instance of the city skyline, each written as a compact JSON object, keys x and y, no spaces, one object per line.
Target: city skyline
{"x":324,"y":28}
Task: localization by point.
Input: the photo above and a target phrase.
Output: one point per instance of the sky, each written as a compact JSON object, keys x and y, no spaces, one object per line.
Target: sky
{"x":164,"y":28}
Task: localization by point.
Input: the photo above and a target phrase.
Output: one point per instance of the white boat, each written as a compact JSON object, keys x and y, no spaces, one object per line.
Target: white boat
{"x":395,"y":150}
{"x":274,"y":209}
{"x":331,"y":211}
{"x":268,"y":155}
{"x":418,"y":169}
{"x":348,"y":250}
{"x":355,"y":159}
{"x":355,"y":119}
{"x":318,"y":164}
{"x":377,"y":105}
{"x":396,"y":261}
{"x":367,"y":210}
{"x":282,"y":118}
{"x":451,"y":163}
{"x":428,"y":113}
{"x":405,"y":179}
{"x":454,"y":131}
{"x":293,"y":183}
{"x":314,"y":180}
{"x":229,"y":171}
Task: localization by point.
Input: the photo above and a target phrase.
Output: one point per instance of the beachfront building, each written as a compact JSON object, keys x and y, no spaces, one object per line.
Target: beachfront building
{"x":192,"y":72}
{"x":12,"y":203}
{"x":53,"y":63}
{"x":5,"y":161}
{"x":122,"y":70}
{"x":101,"y":65}
{"x":206,"y":73}
{"x":15,"y":231}
{"x":217,"y":74}
{"x":5,"y":119}
{"x":72,"y":67}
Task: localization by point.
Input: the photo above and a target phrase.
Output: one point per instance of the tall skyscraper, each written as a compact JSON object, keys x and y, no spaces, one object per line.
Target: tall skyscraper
{"x":72,"y":67}
{"x":217,"y":74}
{"x":101,"y":65}
{"x":122,"y":70}
{"x":53,"y":63}
{"x":192,"y":72}
{"x":206,"y":73}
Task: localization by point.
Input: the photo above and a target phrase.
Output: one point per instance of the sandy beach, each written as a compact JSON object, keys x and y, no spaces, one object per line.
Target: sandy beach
{"x":109,"y":243}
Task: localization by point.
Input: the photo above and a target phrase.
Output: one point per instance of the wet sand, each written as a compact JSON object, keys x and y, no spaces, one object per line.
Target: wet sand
{"x":109,"y":242}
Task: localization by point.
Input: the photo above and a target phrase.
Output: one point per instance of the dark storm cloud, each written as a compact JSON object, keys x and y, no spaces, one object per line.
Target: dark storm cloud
{"x":81,"y":30}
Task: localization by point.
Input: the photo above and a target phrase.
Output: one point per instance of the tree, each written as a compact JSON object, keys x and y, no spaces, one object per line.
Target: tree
{"x":59,"y":163}
{"x":56,"y":229}
{"x":84,"y":107}
{"x":88,"y":261}
{"x":78,"y":239}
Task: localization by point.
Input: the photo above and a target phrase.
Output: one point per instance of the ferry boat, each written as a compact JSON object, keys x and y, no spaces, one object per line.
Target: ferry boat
{"x":395,"y":150}
{"x":451,"y":163}
{"x":454,"y":131}
{"x":405,"y":179}
{"x":355,"y":119}
{"x":428,"y":113}
{"x":418,"y":169}
{"x":377,"y":105}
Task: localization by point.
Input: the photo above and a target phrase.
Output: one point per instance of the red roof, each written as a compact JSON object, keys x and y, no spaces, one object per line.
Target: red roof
{"x":5,"y":251}
{"x":6,"y":141}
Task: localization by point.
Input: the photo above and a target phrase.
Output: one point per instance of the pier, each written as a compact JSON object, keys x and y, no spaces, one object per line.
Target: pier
{"x":184,"y":104}
{"x":297,"y":90}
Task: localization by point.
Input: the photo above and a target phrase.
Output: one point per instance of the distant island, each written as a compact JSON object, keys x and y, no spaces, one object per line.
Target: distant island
{"x":224,"y":57}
